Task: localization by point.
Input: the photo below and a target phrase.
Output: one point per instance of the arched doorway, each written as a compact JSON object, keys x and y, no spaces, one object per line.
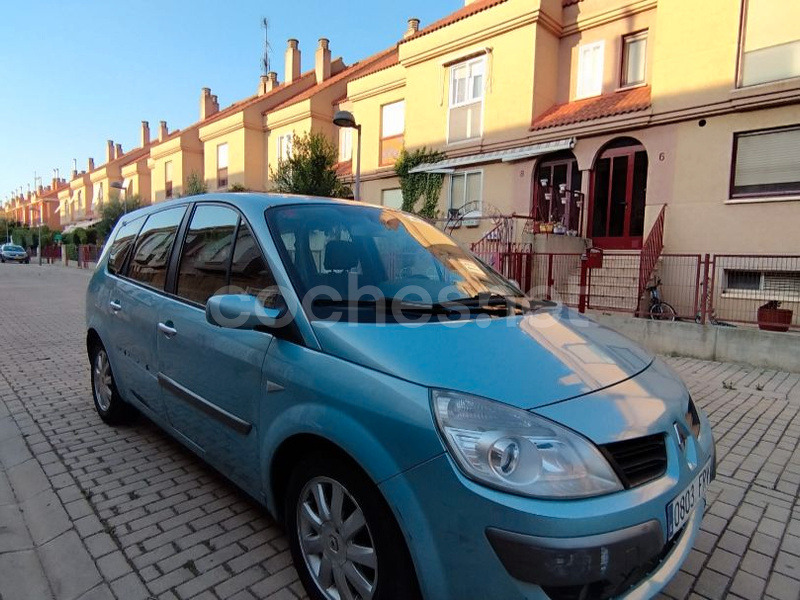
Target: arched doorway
{"x":617,"y":195}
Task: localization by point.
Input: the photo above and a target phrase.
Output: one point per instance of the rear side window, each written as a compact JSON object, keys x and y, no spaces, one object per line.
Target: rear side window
{"x":153,"y":246}
{"x":122,"y":244}
{"x":206,"y":253}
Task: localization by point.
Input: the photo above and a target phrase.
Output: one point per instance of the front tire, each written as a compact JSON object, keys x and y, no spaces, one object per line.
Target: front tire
{"x":107,"y":401}
{"x":344,"y":540}
{"x":662,"y":312}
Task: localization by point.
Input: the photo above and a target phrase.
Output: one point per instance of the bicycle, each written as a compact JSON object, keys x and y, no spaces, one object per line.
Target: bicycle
{"x":659,"y":310}
{"x":711,"y":313}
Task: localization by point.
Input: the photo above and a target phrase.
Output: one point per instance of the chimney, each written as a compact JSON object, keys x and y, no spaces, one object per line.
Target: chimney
{"x":91,"y":165}
{"x":40,"y":189}
{"x":119,"y":152}
{"x":162,"y":131}
{"x":268,"y":83}
{"x":74,"y":168}
{"x":413,"y":27}
{"x":109,"y":150}
{"x":208,"y":104}
{"x":292,"y":66}
{"x":55,"y":183}
{"x":145,"y":134}
{"x":322,"y":60}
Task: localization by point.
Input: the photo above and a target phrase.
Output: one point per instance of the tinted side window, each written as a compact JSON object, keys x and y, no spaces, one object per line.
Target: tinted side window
{"x":122,"y":244}
{"x":249,"y":271}
{"x":151,"y":253}
{"x":206,"y":253}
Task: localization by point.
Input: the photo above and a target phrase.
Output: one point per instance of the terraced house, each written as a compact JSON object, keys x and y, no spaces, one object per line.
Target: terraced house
{"x":607,"y":121}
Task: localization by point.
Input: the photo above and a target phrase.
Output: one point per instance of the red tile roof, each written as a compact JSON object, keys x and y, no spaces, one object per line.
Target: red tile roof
{"x":461,"y":13}
{"x":609,"y":105}
{"x":344,"y":168}
{"x":389,"y":61}
{"x":360,"y":68}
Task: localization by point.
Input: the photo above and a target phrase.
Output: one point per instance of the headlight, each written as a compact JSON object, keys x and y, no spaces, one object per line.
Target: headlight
{"x":518,"y":451}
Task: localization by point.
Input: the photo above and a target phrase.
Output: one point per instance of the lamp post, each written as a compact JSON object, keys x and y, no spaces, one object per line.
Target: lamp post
{"x":118,"y":185}
{"x":344,"y":118}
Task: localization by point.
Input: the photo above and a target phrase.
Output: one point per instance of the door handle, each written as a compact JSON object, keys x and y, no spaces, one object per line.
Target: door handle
{"x":167,"y":330}
{"x":115,"y":306}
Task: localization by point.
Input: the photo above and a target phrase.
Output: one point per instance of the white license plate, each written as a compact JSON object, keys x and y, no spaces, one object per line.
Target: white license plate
{"x":682,"y":506}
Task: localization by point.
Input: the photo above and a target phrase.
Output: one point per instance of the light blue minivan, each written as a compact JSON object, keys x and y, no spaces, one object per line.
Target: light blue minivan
{"x":420,"y":427}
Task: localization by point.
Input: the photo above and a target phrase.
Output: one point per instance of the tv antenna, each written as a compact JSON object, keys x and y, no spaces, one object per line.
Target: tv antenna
{"x":267,"y":49}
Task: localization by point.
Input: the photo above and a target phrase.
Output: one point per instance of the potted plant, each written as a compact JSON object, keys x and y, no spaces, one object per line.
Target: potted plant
{"x":773,"y":318}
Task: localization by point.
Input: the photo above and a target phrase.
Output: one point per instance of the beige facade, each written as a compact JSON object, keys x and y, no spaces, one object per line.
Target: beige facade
{"x":173,"y":158}
{"x":235,"y":140}
{"x":665,"y":88}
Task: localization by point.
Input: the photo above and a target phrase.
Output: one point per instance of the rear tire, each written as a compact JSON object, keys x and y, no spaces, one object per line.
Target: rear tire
{"x":662,"y":312}
{"x":344,"y":539}
{"x":107,"y":401}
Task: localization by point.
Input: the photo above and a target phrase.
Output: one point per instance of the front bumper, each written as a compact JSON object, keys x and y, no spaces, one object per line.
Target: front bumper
{"x":15,"y":258}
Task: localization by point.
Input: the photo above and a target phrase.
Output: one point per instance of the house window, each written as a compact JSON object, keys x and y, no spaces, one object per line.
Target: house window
{"x":345,"y":144}
{"x":634,"y":53}
{"x":392,"y":198}
{"x":392,"y":128}
{"x":590,"y":69}
{"x":466,"y":100}
{"x":285,"y":143}
{"x":222,"y":166}
{"x":777,"y":285}
{"x":770,"y":42}
{"x":100,"y":193}
{"x":766,"y":163}
{"x":168,"y":178}
{"x":466,"y":192}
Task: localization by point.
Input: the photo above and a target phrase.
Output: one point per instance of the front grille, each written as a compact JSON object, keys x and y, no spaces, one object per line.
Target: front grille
{"x":639,"y":460}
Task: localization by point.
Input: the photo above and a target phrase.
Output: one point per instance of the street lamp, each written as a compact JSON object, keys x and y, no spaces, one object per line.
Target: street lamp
{"x":118,"y":185}
{"x":344,"y":118}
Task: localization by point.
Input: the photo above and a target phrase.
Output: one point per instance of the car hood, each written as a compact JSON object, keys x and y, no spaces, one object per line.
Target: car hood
{"x":527,"y":361}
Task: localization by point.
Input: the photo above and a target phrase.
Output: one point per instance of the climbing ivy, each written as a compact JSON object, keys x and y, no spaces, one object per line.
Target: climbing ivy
{"x":416,"y":186}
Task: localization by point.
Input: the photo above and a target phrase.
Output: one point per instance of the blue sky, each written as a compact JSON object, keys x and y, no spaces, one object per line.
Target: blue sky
{"x":74,"y":74}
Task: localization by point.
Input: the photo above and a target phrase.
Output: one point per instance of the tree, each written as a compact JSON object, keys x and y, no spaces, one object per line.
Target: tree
{"x":112,"y":210}
{"x":416,"y":186}
{"x":310,"y":170}
{"x":195,"y":185}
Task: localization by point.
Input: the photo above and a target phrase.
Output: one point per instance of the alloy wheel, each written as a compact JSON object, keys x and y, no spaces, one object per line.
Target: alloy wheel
{"x":335,"y":541}
{"x":103,"y":381}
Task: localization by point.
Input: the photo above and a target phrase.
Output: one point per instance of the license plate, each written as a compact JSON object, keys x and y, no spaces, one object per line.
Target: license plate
{"x":682,"y":506}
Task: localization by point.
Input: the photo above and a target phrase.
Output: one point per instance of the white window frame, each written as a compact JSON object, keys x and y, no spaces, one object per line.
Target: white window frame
{"x":462,"y":202}
{"x":642,"y":35}
{"x":285,"y":141}
{"x":584,"y":86}
{"x":467,"y":101}
{"x":345,"y":144}
{"x":220,"y":166}
{"x":383,"y":197}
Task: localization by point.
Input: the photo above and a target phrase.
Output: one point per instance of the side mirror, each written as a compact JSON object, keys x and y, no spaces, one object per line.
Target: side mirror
{"x":241,"y":311}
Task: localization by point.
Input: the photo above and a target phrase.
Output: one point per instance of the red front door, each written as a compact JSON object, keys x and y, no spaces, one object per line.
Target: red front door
{"x":619,"y":185}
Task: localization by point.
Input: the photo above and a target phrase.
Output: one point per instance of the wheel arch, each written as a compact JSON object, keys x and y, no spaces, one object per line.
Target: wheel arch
{"x":292,"y":451}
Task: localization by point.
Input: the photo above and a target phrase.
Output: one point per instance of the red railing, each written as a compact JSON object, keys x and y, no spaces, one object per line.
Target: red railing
{"x":651,"y":250}
{"x":512,"y":260}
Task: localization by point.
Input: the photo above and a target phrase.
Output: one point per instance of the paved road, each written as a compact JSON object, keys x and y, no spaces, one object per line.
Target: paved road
{"x":91,"y":512}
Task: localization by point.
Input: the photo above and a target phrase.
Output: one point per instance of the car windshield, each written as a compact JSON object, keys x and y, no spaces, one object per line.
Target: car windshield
{"x":353,"y":255}
{"x":10,"y":248}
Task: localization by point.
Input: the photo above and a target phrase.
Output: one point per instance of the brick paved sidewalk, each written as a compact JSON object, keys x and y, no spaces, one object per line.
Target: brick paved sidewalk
{"x":93,"y":512}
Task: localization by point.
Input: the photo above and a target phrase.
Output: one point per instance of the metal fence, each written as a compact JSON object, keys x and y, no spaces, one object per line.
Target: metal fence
{"x":722,"y":289}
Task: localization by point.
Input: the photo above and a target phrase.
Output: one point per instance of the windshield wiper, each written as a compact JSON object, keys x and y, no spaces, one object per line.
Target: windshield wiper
{"x":385,"y":302}
{"x":486,"y":300}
